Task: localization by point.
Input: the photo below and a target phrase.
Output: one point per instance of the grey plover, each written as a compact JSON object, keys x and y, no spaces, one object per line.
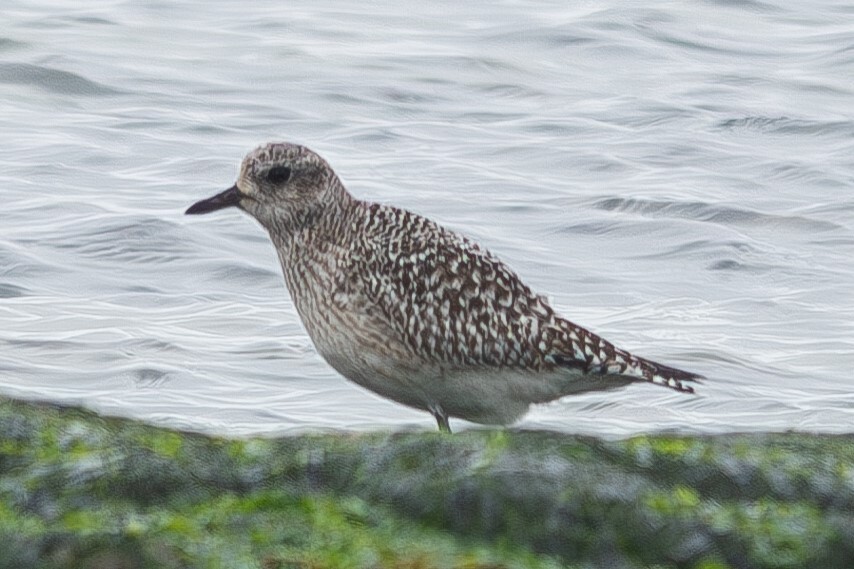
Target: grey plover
{"x":413,"y":311}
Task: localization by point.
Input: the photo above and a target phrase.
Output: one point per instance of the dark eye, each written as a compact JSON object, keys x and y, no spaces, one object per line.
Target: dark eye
{"x":278,"y":174}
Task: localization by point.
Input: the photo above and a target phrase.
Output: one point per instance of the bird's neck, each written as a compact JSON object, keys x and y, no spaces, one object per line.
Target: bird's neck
{"x":302,"y":233}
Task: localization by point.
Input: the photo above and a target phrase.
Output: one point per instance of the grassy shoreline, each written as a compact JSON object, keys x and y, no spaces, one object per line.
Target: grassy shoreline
{"x":78,"y":489}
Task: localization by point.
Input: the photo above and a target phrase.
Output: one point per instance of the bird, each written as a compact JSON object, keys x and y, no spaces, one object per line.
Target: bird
{"x":413,"y":311}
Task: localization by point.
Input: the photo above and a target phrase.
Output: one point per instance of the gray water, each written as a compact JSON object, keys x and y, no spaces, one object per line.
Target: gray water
{"x":679,"y":179}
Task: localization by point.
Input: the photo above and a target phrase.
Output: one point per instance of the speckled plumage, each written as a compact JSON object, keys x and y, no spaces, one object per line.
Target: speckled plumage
{"x":413,"y":311}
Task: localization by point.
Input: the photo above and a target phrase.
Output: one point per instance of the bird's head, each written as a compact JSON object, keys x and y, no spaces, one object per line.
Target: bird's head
{"x":282,"y":185}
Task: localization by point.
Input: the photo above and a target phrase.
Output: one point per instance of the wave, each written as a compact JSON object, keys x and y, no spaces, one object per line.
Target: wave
{"x":713,"y":213}
{"x":52,"y":80}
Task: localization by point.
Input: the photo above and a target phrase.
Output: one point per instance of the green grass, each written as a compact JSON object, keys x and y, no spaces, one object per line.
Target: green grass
{"x":80,"y":490}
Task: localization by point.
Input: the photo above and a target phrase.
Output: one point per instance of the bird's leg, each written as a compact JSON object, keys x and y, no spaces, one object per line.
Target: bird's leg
{"x":441,"y":418}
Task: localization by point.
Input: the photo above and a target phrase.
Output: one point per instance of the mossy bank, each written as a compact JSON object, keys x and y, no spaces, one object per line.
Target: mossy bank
{"x":81,"y":490}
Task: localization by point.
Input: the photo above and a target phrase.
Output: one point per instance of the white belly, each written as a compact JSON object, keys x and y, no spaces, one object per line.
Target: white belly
{"x":494,"y":396}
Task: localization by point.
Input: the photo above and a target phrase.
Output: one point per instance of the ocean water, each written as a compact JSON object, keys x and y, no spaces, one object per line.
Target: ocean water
{"x":678,"y":177}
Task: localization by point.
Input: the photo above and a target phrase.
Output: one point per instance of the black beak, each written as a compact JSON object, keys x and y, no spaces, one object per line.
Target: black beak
{"x":228,"y":198}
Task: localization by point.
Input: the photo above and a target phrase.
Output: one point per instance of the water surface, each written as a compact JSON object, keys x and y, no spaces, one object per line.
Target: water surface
{"x":677,"y":178}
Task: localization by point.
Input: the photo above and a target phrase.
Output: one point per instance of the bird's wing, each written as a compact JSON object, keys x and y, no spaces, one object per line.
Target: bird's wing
{"x":449,"y":299}
{"x":452,"y":301}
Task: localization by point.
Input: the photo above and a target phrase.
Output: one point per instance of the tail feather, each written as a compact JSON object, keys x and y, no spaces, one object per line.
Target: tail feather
{"x":669,"y":376}
{"x":591,"y":354}
{"x":625,"y":364}
{"x":657,"y":373}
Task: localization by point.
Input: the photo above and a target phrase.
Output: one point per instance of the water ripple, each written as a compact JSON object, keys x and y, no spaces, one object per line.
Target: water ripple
{"x":725,"y":215}
{"x":129,"y":239}
{"x":787,"y":125}
{"x":52,"y":80}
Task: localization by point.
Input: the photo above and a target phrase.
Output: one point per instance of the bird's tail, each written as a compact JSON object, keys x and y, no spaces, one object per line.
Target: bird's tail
{"x":595,"y":355}
{"x":667,"y":376}
{"x":651,"y":371}
{"x":647,"y":370}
